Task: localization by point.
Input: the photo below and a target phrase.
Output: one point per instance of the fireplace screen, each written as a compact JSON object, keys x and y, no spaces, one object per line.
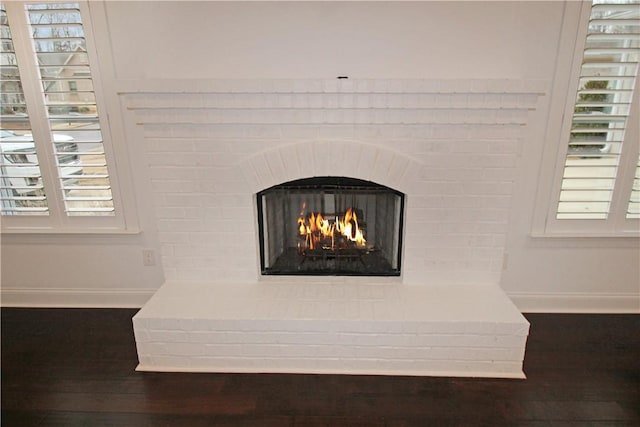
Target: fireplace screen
{"x":330,"y":226}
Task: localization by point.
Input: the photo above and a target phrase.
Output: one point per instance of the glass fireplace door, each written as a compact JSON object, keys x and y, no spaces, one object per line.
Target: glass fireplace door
{"x":330,"y":226}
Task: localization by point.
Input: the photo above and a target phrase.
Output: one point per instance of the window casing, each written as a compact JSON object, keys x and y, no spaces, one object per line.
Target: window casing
{"x":59,"y":117}
{"x":598,"y":164}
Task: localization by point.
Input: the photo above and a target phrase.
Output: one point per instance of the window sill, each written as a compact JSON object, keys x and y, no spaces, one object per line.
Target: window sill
{"x":584,"y":235}
{"x":585,"y":240}
{"x":34,"y":231}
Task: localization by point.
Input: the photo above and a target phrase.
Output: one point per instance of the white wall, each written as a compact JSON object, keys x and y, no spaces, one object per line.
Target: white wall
{"x":76,"y":271}
{"x":320,"y":40}
{"x":152,"y":41}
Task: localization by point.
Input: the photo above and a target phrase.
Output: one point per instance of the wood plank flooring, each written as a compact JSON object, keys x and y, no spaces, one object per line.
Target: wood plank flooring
{"x":75,"y":367}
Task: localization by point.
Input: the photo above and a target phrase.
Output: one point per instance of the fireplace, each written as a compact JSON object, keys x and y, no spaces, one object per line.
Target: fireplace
{"x":240,"y":222}
{"x":330,"y":226}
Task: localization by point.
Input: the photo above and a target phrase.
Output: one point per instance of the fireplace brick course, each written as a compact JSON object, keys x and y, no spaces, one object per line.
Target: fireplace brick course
{"x":452,"y":146}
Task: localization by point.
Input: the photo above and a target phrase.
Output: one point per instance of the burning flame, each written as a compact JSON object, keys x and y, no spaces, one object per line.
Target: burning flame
{"x":321,"y":232}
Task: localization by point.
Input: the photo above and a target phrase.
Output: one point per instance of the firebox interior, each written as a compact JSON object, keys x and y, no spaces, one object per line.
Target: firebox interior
{"x":330,"y":226}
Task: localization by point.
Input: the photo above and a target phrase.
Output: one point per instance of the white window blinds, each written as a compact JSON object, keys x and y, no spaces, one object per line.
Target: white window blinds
{"x":21,"y":185}
{"x":607,"y":78}
{"x":633,"y":210}
{"x":63,"y":102}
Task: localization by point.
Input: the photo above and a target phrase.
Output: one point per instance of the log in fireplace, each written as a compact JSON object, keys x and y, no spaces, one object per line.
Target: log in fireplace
{"x":330,"y":226}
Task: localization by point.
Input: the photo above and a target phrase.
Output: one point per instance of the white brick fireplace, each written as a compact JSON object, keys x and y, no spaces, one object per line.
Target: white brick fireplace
{"x":451,"y":146}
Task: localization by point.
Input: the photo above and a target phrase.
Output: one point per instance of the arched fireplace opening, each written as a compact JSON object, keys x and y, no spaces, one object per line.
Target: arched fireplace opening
{"x":330,"y":226}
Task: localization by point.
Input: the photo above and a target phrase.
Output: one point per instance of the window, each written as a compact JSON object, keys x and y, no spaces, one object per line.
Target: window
{"x":633,"y":210}
{"x":596,"y":183}
{"x":53,"y":161}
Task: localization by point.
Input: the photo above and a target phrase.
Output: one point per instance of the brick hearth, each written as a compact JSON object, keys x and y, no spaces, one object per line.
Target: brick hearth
{"x":331,"y":328}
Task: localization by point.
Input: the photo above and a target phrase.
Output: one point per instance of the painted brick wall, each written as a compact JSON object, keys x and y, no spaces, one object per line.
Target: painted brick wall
{"x":452,"y":146}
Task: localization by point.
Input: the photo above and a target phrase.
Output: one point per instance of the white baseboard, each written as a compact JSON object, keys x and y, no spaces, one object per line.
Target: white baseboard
{"x":576,"y":302}
{"x":75,"y":298}
{"x":136,"y":298}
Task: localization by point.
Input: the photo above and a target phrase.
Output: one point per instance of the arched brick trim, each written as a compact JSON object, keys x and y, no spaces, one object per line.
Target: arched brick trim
{"x":340,"y":158}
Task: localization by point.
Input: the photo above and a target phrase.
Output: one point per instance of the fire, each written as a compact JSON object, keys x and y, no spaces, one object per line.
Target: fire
{"x":330,"y":233}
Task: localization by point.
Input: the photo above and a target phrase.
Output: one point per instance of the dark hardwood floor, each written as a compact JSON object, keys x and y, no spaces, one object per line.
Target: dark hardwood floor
{"x":75,"y":367}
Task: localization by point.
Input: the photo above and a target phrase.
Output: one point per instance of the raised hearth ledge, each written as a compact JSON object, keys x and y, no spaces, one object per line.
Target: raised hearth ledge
{"x":347,"y":328}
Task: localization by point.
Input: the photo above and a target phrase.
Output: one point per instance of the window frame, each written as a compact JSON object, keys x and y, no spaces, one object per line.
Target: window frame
{"x":124,"y":219}
{"x":562,"y":104}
